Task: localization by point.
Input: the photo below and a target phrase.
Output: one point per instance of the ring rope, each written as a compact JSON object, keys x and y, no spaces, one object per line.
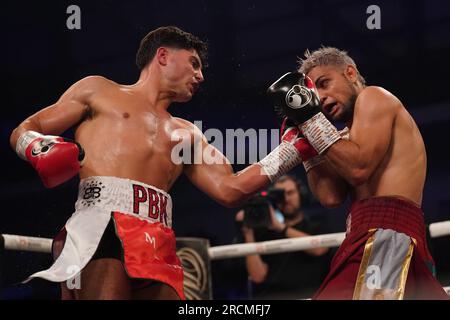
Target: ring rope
{"x":35,"y":244}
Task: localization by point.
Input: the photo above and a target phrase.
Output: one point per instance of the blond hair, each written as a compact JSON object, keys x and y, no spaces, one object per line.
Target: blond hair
{"x":326,"y":56}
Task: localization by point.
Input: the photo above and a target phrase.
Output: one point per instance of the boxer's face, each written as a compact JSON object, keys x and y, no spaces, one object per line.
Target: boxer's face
{"x":336,"y":90}
{"x":183,"y":73}
{"x":292,"y":199}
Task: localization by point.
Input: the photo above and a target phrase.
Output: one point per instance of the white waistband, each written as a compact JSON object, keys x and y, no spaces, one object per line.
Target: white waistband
{"x":125,"y":195}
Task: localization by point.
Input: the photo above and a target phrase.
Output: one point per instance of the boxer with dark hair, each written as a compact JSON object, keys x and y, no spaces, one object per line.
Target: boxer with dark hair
{"x":380,"y":163}
{"x":120,"y":235}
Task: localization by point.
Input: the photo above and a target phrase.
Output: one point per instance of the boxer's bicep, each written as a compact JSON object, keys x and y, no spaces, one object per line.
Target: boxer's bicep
{"x":327,"y":185}
{"x":209,"y":168}
{"x":214,"y":175}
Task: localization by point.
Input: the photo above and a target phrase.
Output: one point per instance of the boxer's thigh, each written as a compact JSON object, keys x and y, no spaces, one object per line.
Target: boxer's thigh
{"x":156,"y":291}
{"x":66,"y":293}
{"x":104,"y":279}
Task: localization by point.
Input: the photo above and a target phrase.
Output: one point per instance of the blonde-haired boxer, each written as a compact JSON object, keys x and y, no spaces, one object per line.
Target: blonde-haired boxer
{"x":381,"y":166}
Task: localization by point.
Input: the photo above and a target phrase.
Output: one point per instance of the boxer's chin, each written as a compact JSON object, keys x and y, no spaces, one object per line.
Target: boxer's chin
{"x":184,"y":97}
{"x":338,"y":116}
{"x":329,"y":116}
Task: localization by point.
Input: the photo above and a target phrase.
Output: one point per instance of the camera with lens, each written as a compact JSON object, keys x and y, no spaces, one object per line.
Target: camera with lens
{"x":257,"y":208}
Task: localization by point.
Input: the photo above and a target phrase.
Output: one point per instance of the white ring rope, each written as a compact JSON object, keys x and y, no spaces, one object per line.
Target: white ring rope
{"x":439,"y":229}
{"x":25,"y":243}
{"x":34,"y":244}
{"x":277,"y":246}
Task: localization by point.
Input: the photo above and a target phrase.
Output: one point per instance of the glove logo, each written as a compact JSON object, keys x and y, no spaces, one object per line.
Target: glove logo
{"x":42,"y":147}
{"x":298,"y":97}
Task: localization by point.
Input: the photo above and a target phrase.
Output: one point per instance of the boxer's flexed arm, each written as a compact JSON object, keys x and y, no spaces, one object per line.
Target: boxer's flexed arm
{"x":327,"y":185}
{"x":56,"y":159}
{"x":374,"y":114}
{"x":295,"y":98}
{"x":324,"y":181}
{"x":60,"y":116}
{"x":370,"y":136}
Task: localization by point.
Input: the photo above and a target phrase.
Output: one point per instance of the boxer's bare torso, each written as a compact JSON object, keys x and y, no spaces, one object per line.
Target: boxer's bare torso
{"x":125,"y":137}
{"x":127,"y":132}
{"x":402,"y":169}
{"x":385,"y":155}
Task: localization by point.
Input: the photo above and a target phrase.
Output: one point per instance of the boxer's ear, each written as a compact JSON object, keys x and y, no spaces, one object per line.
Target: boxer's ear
{"x":351,"y":73}
{"x":162,"y":54}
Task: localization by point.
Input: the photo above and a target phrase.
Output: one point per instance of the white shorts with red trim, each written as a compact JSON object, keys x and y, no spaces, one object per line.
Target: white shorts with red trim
{"x":139,"y":211}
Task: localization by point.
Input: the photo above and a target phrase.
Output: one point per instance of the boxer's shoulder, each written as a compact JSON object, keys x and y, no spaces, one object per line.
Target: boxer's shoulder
{"x":180,"y":123}
{"x":90,"y":87}
{"x":378,"y":98}
{"x":186,"y":130}
{"x":377,"y":93}
{"x":95,"y":82}
{"x":103,"y":94}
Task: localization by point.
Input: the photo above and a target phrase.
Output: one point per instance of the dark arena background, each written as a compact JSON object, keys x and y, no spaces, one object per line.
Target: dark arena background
{"x":251,"y":43}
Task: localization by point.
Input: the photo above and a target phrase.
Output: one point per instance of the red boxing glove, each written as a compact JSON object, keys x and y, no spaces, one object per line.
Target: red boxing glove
{"x":294,"y":136}
{"x":56,"y":159}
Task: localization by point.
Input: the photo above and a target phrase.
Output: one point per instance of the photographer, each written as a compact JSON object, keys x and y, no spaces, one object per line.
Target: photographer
{"x":288,"y":275}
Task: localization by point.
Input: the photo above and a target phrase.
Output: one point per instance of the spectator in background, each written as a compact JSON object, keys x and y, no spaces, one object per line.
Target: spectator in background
{"x":288,"y":275}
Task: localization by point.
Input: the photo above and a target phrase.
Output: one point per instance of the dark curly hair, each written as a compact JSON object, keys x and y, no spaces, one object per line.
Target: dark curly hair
{"x":171,"y":37}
